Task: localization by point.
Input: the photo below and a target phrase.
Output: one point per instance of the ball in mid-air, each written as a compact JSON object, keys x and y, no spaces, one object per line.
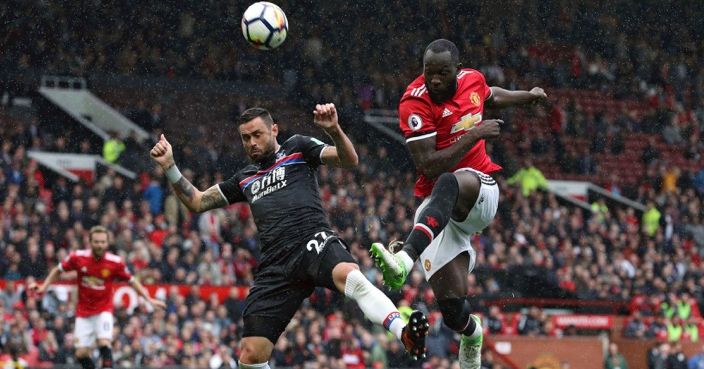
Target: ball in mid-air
{"x":264,"y":25}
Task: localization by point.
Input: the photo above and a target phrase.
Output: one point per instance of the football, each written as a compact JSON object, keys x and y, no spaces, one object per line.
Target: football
{"x":264,"y":25}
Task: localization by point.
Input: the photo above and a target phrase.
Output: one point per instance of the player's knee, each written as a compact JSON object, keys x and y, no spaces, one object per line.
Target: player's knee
{"x":447,"y":185}
{"x":469,"y":186}
{"x":252,"y":352}
{"x":455,"y":312}
{"x":82,"y":352}
{"x":340,"y":273}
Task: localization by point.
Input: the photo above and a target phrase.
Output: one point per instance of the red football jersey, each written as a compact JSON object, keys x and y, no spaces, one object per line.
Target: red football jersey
{"x":421,"y":118}
{"x":95,"y":280}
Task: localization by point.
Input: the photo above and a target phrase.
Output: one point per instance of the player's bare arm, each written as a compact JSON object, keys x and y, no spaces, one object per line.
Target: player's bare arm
{"x":145,"y":294}
{"x":194,"y":199}
{"x":502,"y":98}
{"x":51,"y":278}
{"x":343,"y":153}
{"x":432,"y":162}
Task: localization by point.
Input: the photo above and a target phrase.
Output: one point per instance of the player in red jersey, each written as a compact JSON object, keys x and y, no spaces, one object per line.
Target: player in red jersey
{"x":441,"y":116}
{"x":97,"y":270}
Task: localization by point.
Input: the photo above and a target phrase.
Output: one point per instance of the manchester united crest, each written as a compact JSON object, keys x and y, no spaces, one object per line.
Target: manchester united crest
{"x":105,"y":273}
{"x":474,"y":98}
{"x":427,"y":265}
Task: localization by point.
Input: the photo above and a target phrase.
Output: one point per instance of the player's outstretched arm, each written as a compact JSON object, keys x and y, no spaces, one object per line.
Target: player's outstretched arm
{"x":194,"y":199}
{"x":343,"y":154}
{"x":145,"y":294}
{"x":51,"y":278}
{"x":502,"y":98}
{"x":432,"y":162}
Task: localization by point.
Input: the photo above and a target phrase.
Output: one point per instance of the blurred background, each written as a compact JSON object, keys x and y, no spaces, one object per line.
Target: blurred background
{"x":594,"y":259}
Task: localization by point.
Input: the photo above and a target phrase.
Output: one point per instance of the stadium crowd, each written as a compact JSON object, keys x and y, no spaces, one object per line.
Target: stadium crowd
{"x":650,"y":261}
{"x":612,"y":253}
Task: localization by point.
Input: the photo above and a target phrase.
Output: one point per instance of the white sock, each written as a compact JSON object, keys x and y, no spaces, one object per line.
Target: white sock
{"x":406,"y":260}
{"x":375,"y":305}
{"x":477,"y":330}
{"x":265,"y":365}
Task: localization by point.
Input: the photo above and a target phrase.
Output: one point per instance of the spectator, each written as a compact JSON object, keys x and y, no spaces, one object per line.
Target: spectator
{"x":697,"y":361}
{"x":650,"y":152}
{"x":10,"y":296}
{"x":658,"y":356}
{"x":154,"y":195}
{"x":635,"y":328}
{"x":677,"y":359}
{"x":691,"y":330}
{"x":614,"y":359}
{"x":222,"y":359}
{"x":113,"y":148}
{"x":530,"y":179}
{"x":531,"y":324}
{"x":651,"y":220}
{"x":494,"y":321}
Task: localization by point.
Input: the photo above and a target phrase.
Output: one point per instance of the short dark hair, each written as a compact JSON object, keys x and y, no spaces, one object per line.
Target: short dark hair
{"x":441,"y":45}
{"x":252,"y":113}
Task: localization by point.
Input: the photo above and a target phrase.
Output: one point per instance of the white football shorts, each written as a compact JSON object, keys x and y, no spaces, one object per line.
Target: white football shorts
{"x":93,"y":327}
{"x":455,"y":238}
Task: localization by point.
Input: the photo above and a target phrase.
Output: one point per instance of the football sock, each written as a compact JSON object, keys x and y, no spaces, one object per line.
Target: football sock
{"x":456,"y":316}
{"x":374,"y":303}
{"x":86,"y":362}
{"x":434,"y":217}
{"x":106,"y":356}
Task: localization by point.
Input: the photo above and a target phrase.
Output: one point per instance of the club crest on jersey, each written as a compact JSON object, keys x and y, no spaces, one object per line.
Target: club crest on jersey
{"x":474,"y":98}
{"x":415,"y":122}
{"x":427,"y":265}
{"x":105,"y":273}
{"x":466,"y":123}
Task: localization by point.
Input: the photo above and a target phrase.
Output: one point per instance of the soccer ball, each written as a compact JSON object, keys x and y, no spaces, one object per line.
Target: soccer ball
{"x":264,"y":25}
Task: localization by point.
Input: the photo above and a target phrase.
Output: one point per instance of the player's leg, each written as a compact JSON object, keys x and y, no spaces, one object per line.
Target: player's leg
{"x":255,"y":352}
{"x":449,"y":285}
{"x":338,"y":263}
{"x":453,"y":197}
{"x":84,"y":331}
{"x":269,"y":307}
{"x":104,"y":328}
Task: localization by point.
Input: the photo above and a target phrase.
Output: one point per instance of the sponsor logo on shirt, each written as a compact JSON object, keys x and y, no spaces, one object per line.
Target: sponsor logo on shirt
{"x":94,"y":283}
{"x":466,"y":123}
{"x":268,"y":183}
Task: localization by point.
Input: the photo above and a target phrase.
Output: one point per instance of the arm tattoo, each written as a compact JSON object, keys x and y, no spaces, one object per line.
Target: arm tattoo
{"x":211,"y":199}
{"x":185,"y":192}
{"x":184,"y":189}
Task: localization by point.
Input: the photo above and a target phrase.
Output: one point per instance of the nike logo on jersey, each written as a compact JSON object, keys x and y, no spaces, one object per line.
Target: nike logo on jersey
{"x":446,"y":113}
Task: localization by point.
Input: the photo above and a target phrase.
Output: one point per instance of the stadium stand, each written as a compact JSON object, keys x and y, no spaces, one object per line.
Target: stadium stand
{"x":626,"y":113}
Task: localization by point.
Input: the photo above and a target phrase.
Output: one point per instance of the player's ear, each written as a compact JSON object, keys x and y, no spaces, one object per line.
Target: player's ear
{"x":459,"y":67}
{"x":274,"y":129}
